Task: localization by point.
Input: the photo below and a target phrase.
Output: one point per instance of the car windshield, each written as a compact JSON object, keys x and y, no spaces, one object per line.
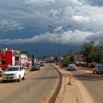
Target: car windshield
{"x":72,"y":65}
{"x":13,"y":69}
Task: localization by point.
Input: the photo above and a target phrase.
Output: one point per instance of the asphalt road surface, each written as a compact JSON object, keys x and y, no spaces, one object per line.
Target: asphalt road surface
{"x":38,"y":87}
{"x":92,"y":82}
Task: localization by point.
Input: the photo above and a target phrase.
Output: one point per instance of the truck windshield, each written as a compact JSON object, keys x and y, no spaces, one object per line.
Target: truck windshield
{"x":13,"y":69}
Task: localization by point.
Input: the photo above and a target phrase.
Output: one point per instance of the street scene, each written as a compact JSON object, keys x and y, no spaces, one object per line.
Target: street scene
{"x":49,"y":81}
{"x":51,"y":51}
{"x":38,"y":87}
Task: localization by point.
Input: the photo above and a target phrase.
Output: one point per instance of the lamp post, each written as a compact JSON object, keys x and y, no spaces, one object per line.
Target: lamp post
{"x":59,"y":31}
{"x":54,"y":38}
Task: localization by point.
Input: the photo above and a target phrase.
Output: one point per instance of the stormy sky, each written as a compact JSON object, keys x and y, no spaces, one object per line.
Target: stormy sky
{"x":25,"y":22}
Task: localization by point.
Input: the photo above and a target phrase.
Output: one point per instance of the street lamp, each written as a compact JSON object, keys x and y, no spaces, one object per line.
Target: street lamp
{"x":59,"y":31}
{"x":54,"y":38}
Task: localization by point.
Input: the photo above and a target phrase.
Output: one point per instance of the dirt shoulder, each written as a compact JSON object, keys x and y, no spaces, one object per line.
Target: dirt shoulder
{"x":72,"y":90}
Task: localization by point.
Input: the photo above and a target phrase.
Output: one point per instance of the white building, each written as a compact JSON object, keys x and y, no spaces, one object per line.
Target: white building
{"x":23,"y":59}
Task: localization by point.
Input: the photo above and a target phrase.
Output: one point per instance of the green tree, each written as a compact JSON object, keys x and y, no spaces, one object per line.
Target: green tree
{"x":98,"y":54}
{"x":92,"y":52}
{"x":88,"y":50}
{"x":67,"y":58}
{"x":25,"y":52}
{"x":71,"y":56}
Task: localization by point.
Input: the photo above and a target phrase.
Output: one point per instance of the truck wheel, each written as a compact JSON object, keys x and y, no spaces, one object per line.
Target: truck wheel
{"x":3,"y":81}
{"x":19,"y":79}
{"x":23,"y":78}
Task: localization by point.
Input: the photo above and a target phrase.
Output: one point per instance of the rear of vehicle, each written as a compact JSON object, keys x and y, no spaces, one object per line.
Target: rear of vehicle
{"x":35,"y":67}
{"x":42,"y":63}
{"x":64,"y":64}
{"x":98,"y":69}
{"x":72,"y":67}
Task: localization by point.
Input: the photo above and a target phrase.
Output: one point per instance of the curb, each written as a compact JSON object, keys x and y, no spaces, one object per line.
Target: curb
{"x":61,"y":89}
{"x":55,"y":96}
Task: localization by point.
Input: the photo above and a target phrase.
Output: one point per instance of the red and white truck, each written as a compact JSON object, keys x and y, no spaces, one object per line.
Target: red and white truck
{"x":5,"y":59}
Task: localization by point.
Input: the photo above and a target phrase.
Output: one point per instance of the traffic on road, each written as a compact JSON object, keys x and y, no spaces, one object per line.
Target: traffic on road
{"x":38,"y":86}
{"x":41,"y":81}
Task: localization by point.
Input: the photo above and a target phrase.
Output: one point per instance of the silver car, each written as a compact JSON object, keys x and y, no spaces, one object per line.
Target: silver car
{"x":98,"y":69}
{"x":72,"y":67}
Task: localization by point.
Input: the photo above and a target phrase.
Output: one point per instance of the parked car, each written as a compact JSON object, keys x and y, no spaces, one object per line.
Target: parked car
{"x":72,"y":67}
{"x":57,"y":62}
{"x":13,"y":73}
{"x":77,"y":63}
{"x":35,"y":67}
{"x":98,"y":68}
{"x":64,"y":64}
{"x":42,"y":63}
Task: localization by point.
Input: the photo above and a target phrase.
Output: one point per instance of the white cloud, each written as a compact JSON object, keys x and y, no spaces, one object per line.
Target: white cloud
{"x":86,"y":17}
{"x":59,"y":12}
{"x":54,"y":13}
{"x":69,"y":37}
{"x":75,"y":37}
{"x":95,"y":2}
{"x":77,"y":2}
{"x":80,"y":18}
{"x":39,"y":2}
{"x":7,"y":25}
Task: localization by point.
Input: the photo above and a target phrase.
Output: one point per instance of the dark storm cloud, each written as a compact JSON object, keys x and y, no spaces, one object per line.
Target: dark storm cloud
{"x":95,"y":2}
{"x":34,"y":16}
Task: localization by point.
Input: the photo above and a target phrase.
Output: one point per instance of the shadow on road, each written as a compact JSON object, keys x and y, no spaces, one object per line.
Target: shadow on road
{"x":47,"y":77}
{"x":88,"y":77}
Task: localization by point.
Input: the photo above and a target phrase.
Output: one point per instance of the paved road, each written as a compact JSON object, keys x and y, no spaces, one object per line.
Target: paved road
{"x":92,"y":82}
{"x":38,"y":87}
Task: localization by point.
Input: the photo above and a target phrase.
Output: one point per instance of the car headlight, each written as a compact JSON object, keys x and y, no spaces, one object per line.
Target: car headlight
{"x":15,"y":75}
{"x":3,"y":74}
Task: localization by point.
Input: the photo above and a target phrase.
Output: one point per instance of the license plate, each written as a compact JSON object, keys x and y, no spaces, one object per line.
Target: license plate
{"x":8,"y":78}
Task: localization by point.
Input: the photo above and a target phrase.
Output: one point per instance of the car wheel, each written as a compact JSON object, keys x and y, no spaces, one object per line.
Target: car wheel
{"x":93,"y":72}
{"x":19,"y":79}
{"x":3,"y":81}
{"x":23,"y":78}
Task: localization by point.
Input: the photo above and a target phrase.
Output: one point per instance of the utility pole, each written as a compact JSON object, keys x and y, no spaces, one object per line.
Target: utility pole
{"x":54,"y":38}
{"x":59,"y":31}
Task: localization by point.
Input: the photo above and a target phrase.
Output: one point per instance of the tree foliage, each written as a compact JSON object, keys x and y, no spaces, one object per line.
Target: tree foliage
{"x":71,"y":56}
{"x":67,"y":58}
{"x":92,"y":52}
{"x":25,"y":52}
{"x":98,"y":54}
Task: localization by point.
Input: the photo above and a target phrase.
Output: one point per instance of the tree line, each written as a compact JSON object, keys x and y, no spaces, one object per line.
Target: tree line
{"x":93,"y":52}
